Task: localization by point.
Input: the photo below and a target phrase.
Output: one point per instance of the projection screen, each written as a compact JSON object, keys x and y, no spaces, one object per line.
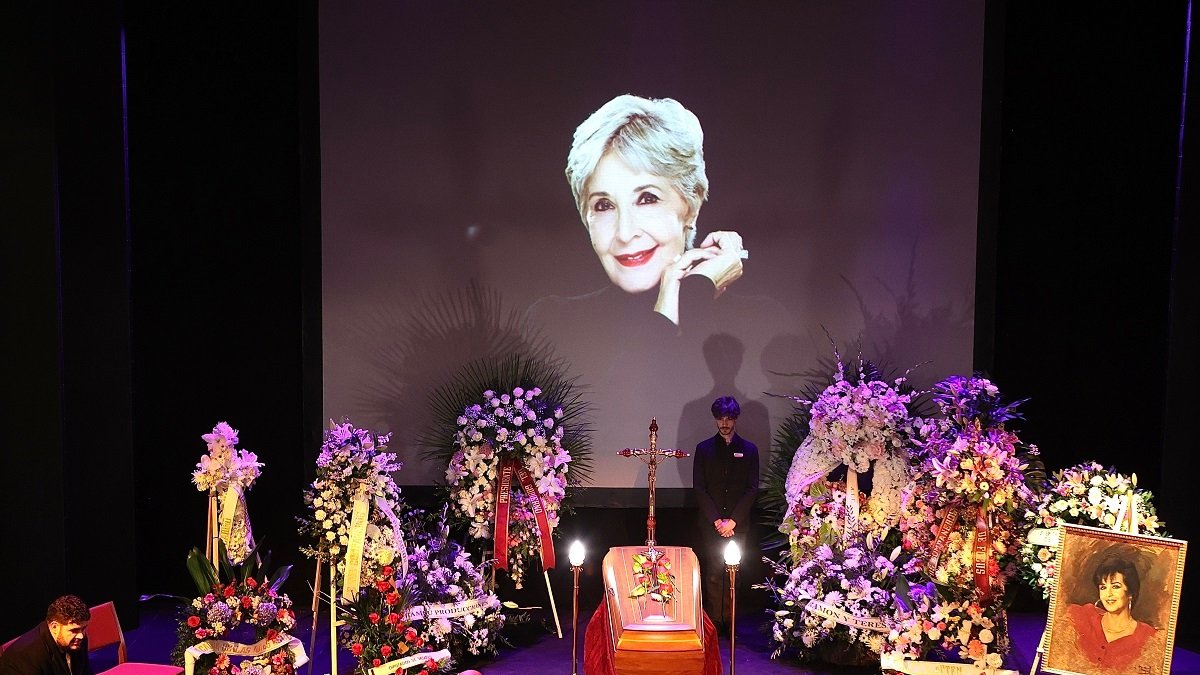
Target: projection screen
{"x":840,"y":144}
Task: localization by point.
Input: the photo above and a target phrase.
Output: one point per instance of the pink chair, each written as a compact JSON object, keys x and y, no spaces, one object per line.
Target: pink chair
{"x":105,"y":630}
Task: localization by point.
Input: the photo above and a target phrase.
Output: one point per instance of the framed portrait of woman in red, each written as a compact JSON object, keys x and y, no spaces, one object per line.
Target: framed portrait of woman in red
{"x":1114,"y":604}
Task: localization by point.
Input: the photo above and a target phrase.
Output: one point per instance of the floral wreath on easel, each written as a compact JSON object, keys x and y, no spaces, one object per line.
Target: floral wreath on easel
{"x":833,"y":584}
{"x":513,"y":437}
{"x":354,"y":471}
{"x":964,"y":519}
{"x":226,"y":473}
{"x":1085,"y":494}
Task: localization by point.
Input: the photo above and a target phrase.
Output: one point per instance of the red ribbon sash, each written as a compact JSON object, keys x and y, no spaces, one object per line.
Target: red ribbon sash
{"x":949,"y":522}
{"x":503,"y":501}
{"x":509,"y":468}
{"x":982,"y":554}
{"x":539,"y":512}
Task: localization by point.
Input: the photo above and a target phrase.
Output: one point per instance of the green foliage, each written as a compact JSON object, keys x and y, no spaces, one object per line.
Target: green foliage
{"x":205,"y":575}
{"x":503,"y":374}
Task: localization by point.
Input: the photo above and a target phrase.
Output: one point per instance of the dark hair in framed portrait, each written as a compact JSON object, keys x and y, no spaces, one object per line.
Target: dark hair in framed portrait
{"x":1114,"y":603}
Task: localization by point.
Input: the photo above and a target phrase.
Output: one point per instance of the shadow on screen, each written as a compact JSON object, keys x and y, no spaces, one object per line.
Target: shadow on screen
{"x":413,"y":352}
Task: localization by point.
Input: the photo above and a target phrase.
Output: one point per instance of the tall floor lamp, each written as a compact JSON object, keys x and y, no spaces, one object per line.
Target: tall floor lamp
{"x":733,"y":557}
{"x":576,"y":556}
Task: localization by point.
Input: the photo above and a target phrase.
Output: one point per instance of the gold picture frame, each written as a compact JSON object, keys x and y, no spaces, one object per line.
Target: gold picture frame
{"x":1114,"y":604}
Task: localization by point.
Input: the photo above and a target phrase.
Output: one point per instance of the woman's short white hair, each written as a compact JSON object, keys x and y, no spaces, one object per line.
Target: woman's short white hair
{"x":655,"y":135}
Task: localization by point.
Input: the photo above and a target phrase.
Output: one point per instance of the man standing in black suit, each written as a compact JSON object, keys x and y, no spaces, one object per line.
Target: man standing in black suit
{"x":56,"y":646}
{"x":725,"y":481}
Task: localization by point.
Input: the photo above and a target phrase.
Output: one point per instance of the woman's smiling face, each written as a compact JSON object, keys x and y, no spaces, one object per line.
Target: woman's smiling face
{"x":1114,"y":594}
{"x":636,"y":221}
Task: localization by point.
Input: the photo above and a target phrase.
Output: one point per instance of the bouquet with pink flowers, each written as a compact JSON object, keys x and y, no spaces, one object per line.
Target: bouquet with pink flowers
{"x":1085,"y":494}
{"x":226,"y":472}
{"x":515,"y":445}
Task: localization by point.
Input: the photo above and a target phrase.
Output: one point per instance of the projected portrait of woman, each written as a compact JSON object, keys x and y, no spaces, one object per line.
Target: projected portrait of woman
{"x":636,"y":170}
{"x":1108,"y":637}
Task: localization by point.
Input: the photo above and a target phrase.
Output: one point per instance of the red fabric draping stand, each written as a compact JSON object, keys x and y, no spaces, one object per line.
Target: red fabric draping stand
{"x":598,"y":651}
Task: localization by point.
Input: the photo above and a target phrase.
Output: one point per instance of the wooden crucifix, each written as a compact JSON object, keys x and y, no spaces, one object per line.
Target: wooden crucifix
{"x":652,"y":457}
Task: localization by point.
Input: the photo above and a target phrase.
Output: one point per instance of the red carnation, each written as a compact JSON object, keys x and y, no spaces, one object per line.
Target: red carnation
{"x":193,"y":621}
{"x":229,"y":591}
{"x":374,"y":617}
{"x":431,"y":665}
{"x":410,"y":634}
{"x":392,"y":598}
{"x":357,"y":648}
{"x":251,"y":582}
{"x":376,"y":663}
{"x":393,"y":618}
{"x":383,"y":585}
{"x":385,"y":651}
{"x":388,"y":571}
{"x":420,"y":642}
{"x":247,"y":602}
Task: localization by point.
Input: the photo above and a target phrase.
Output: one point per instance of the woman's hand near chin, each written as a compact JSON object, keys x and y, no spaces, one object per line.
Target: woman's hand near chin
{"x":668,"y":287}
{"x":718,"y":258}
{"x":723,"y":265}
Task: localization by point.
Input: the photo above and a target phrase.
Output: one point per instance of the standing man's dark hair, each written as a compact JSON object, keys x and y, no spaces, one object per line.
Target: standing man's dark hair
{"x":56,"y":646}
{"x":726,"y":406}
{"x":725,"y":483}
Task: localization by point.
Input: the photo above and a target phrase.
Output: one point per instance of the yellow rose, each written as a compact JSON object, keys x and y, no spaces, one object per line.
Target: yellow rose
{"x":385,"y":555}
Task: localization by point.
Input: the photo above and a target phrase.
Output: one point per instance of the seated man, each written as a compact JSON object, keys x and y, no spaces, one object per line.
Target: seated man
{"x":56,"y":646}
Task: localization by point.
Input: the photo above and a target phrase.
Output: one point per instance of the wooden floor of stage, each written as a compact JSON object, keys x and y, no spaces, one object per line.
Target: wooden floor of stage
{"x":536,"y":650}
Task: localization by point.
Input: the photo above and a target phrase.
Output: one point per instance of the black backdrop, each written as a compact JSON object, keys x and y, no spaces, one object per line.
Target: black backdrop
{"x":157,"y":285}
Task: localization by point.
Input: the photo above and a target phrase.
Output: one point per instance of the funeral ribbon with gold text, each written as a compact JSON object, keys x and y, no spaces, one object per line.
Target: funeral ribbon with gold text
{"x":981,"y":551}
{"x":264,"y":646}
{"x":510,"y":469}
{"x":900,"y":664}
{"x":406,"y":662}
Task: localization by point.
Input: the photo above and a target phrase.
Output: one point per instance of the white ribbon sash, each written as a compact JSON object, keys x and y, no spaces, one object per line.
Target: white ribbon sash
{"x":851,"y":524}
{"x":441,"y":610}
{"x":1040,"y":536}
{"x":410,"y":661}
{"x":253,"y":651}
{"x":397,"y":532}
{"x":913,"y":667}
{"x":843,"y":617}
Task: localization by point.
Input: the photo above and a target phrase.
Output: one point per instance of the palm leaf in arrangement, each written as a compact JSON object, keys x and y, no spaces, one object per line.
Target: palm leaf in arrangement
{"x":412,"y":349}
{"x":503,"y":374}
